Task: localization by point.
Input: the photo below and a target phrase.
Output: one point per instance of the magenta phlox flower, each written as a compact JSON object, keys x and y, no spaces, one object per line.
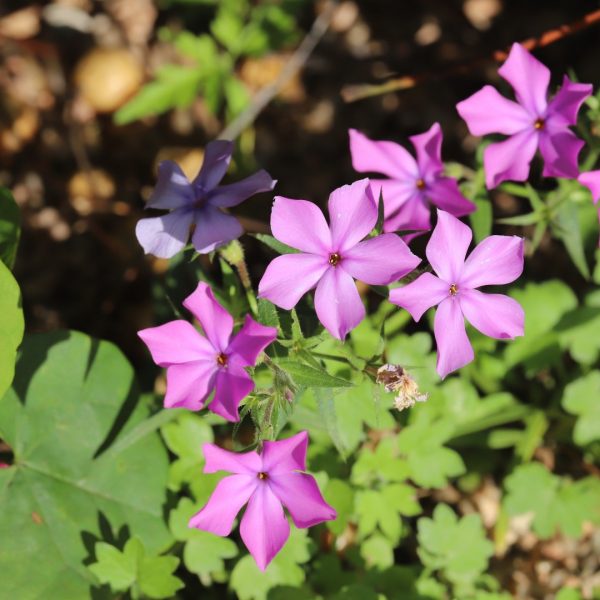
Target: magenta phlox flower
{"x":198,"y":364}
{"x":198,"y":203}
{"x":531,"y":122}
{"x":267,"y":482}
{"x":591,"y":180}
{"x":412,"y":184}
{"x":332,"y":256}
{"x":497,"y":260}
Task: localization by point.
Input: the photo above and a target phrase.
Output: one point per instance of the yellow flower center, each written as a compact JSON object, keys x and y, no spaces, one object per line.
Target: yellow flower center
{"x":420,"y":184}
{"x":453,"y":290}
{"x":222,"y":359}
{"x":334,"y":259}
{"x":539,"y":124}
{"x":262,"y":476}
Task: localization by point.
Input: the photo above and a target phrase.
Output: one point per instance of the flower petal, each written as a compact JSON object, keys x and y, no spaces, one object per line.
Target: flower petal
{"x":445,"y":194}
{"x":233,"y":194}
{"x":428,"y":146}
{"x":420,"y":295}
{"x":290,"y":276}
{"x":510,"y":159}
{"x":453,"y":346}
{"x":165,"y":236}
{"x":250,"y":341}
{"x":218,"y":459}
{"x":528,"y":77}
{"x":389,"y":158}
{"x":232,"y":386}
{"x":300,"y":494}
{"x":265,"y":528}
{"x":379,"y":260}
{"x":591,"y":180}
{"x":338,"y":303}
{"x":217,"y":156}
{"x":300,"y":224}
{"x":213,"y":229}
{"x":395,"y":194}
{"x":218,"y":514}
{"x":176,"y":342}
{"x":495,"y":315}
{"x":496,"y":260}
{"x":285,"y":455}
{"x":352,"y":214}
{"x":448,"y":247}
{"x":173,"y":190}
{"x":566,"y":103}
{"x":190,"y":384}
{"x":216,"y":322}
{"x":487,"y":111}
{"x":413,"y":215}
{"x":560,"y":151}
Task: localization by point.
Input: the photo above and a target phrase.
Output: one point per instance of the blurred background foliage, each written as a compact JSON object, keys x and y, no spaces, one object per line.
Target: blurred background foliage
{"x":489,"y":490}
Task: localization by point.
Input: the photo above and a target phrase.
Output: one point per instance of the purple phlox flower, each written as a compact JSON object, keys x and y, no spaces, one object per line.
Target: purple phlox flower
{"x":332,"y":255}
{"x":531,"y":122}
{"x":196,"y":364}
{"x":411,"y":184}
{"x":198,"y":203}
{"x":591,"y":180}
{"x":267,"y":482}
{"x":497,"y":260}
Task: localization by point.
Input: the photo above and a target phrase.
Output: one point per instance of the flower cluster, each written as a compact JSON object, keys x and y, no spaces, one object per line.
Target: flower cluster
{"x":328,"y":256}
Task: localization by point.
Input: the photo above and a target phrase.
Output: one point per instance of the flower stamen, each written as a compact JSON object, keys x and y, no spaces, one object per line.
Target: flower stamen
{"x":262,"y":476}
{"x":539,"y":124}
{"x":222,"y":360}
{"x":420,"y":184}
{"x":334,"y":259}
{"x":453,"y":289}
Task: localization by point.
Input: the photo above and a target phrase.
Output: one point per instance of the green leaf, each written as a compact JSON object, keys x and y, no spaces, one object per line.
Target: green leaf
{"x":72,"y":398}
{"x":307,"y":376}
{"x":458,"y":548}
{"x":482,"y":219}
{"x":10,"y":228}
{"x":274,"y":244}
{"x":377,"y":551}
{"x":250,"y":583}
{"x":123,"y":570}
{"x":12,"y":326}
{"x":340,"y":495}
{"x":267,"y":313}
{"x":380,"y":465}
{"x":581,"y":398}
{"x":566,"y":228}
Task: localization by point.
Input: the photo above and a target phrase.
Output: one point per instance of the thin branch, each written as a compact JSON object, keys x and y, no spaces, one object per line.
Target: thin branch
{"x":352,"y":93}
{"x":294,"y":64}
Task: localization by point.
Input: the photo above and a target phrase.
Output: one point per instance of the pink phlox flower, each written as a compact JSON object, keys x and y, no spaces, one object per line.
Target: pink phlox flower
{"x":591,"y":180}
{"x":267,"y":482}
{"x":531,"y":122}
{"x":198,"y":364}
{"x":199,"y":203}
{"x":497,"y":260}
{"x":412,"y":184}
{"x":331,"y":256}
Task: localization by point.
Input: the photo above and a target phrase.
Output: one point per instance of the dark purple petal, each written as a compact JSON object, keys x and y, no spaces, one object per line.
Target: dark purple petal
{"x":379,"y":260}
{"x":175,"y":343}
{"x":560,"y":151}
{"x":284,"y":456}
{"x":218,"y":514}
{"x":173,"y":190}
{"x":233,"y":384}
{"x":497,"y":260}
{"x":565,"y":105}
{"x":448,"y":247}
{"x":510,"y":159}
{"x":453,"y":346}
{"x":420,"y":295}
{"x":165,"y":236}
{"x":190,"y":384}
{"x":264,"y":528}
{"x":226,"y":196}
{"x":216,"y":322}
{"x":250,"y":341}
{"x":445,"y":194}
{"x":300,"y":494}
{"x":338,"y":303}
{"x":300,"y":224}
{"x":217,"y":156}
{"x":428,"y":146}
{"x":495,"y":315}
{"x":352,"y":214}
{"x":218,"y":459}
{"x":213,"y":229}
{"x":486,"y":111}
{"x":389,"y":158}
{"x":290,"y":276}
{"x":528,"y":77}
